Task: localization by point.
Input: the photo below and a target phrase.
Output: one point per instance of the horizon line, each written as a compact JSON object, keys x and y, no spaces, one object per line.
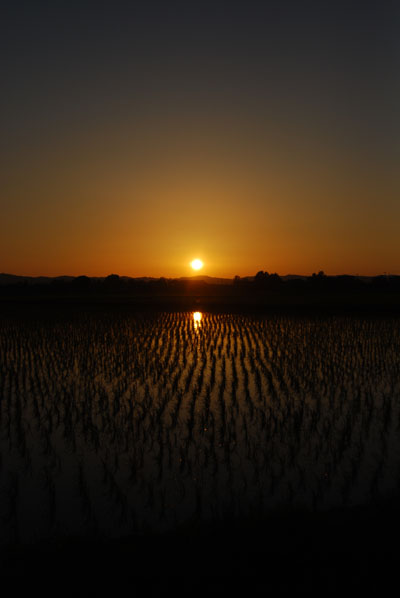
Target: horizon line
{"x":194,"y":275}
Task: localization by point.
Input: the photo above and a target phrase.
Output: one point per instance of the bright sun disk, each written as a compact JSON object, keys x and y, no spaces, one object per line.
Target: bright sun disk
{"x":196,"y":264}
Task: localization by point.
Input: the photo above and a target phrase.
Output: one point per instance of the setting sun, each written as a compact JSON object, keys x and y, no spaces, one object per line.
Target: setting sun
{"x":197,"y":264}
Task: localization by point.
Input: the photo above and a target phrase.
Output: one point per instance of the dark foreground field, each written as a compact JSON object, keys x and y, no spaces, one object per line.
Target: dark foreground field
{"x":355,"y":549}
{"x":220,"y":448}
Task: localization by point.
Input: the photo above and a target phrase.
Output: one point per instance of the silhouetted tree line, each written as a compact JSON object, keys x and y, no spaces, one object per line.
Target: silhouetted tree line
{"x":261,"y":283}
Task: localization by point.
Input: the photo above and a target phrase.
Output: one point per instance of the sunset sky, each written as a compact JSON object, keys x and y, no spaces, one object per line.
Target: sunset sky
{"x":137,"y":136}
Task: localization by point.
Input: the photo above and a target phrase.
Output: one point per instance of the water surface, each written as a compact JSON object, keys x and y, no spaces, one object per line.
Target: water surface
{"x":114,"y":423}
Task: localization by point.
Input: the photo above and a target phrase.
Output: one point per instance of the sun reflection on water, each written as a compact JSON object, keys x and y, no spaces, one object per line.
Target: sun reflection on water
{"x":197,"y":315}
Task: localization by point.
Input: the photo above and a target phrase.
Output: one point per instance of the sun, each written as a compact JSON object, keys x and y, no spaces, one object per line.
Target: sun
{"x":197,"y":264}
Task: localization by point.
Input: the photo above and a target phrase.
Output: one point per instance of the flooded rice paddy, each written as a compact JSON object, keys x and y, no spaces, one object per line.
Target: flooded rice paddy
{"x":120,"y":423}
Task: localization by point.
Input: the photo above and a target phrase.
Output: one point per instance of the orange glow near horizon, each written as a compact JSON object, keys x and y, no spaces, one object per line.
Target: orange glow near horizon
{"x":97,"y":238}
{"x":105,"y":222}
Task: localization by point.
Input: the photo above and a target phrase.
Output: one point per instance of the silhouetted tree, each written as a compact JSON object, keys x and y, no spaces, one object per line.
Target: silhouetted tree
{"x":265,"y":280}
{"x":81,"y":282}
{"x":112,"y":282}
{"x":161,"y":284}
{"x":260,"y":278}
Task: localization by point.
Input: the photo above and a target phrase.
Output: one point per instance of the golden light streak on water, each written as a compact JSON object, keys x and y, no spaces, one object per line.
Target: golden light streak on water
{"x":197,"y":315}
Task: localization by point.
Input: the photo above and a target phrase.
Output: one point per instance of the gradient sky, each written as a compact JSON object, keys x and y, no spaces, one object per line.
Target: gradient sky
{"x":136,"y":136}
